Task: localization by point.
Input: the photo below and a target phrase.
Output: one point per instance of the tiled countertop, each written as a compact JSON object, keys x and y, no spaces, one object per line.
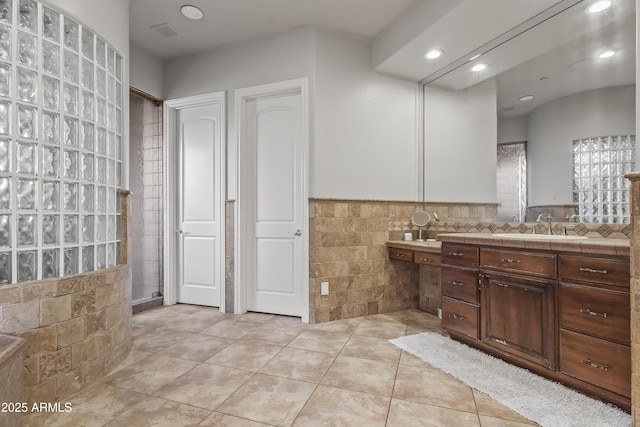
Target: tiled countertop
{"x":619,"y":247}
{"x":430,"y":246}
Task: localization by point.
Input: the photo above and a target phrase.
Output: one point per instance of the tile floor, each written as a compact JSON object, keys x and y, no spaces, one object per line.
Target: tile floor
{"x":194,"y":366}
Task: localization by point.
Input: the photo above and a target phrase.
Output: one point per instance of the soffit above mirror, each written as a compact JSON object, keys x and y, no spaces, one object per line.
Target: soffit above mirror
{"x":457,"y":27}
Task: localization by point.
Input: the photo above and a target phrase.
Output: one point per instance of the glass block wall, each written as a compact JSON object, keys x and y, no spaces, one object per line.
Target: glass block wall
{"x":600,"y":190}
{"x":60,"y":145}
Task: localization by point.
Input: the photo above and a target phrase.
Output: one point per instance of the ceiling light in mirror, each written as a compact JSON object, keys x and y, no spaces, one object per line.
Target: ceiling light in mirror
{"x":526,"y":98}
{"x":474,"y":57}
{"x":599,"y":6}
{"x":434,"y":54}
{"x":192,"y":12}
{"x":607,"y":54}
{"x":479,"y":67}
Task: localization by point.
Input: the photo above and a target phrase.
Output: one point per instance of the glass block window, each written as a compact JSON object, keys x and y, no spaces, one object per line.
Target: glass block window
{"x":60,"y":145}
{"x":600,"y":191}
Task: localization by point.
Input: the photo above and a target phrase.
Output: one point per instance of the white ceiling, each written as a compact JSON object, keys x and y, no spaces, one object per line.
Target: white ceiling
{"x":227,"y":22}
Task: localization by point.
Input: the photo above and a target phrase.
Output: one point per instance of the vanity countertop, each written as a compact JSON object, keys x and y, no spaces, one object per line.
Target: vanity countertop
{"x":595,"y":246}
{"x":426,"y":246}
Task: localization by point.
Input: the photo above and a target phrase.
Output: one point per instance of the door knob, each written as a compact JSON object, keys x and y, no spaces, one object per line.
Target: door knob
{"x":179,"y":231}
{"x":298,"y":233}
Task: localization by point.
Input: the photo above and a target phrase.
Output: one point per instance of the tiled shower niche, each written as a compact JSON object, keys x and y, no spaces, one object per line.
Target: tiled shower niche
{"x":60,"y":145}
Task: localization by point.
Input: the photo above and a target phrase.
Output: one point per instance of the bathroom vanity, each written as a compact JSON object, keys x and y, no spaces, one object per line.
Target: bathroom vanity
{"x":558,"y":307}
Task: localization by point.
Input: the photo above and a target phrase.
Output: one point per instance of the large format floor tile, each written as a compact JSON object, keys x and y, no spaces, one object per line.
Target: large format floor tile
{"x":194,"y":366}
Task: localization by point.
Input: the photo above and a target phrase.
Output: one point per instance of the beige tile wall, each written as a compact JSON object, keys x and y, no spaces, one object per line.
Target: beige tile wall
{"x":77,"y":329}
{"x":347,"y":249}
{"x":635,"y":297}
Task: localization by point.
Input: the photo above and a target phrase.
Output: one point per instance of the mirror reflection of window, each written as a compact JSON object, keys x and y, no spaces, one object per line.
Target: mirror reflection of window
{"x":512,"y":181}
{"x":600,"y":190}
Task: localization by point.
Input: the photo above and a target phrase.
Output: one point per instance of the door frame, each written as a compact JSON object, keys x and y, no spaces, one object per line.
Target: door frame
{"x":243,"y":203}
{"x":171,"y":165}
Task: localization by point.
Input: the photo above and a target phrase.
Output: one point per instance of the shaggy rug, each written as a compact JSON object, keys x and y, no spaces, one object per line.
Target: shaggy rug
{"x":544,"y":402}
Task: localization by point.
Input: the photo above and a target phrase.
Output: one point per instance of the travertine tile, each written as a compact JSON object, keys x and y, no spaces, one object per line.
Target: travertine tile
{"x":380,"y":329}
{"x":158,"y":339}
{"x":279,"y":335}
{"x":217,"y":419}
{"x":149,"y":374}
{"x":487,"y":421}
{"x":444,"y":390}
{"x":158,"y":412}
{"x":197,"y":347}
{"x":298,"y":364}
{"x":363,"y":375}
{"x":267,"y":399}
{"x":330,"y":406}
{"x":489,"y":407}
{"x":205,"y":386}
{"x":231,"y":328}
{"x":403,"y":413}
{"x":250,"y":356}
{"x":379,"y":349}
{"x":324,"y":342}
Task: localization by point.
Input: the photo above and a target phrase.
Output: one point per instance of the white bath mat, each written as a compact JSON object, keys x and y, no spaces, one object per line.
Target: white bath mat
{"x":540,"y":400}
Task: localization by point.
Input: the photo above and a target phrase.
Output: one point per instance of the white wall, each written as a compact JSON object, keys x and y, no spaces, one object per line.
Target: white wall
{"x":512,"y":129}
{"x":552,"y":127}
{"x":146,"y":72}
{"x":282,"y":57}
{"x":363,"y":124}
{"x":460,"y":144}
{"x":366,"y":142}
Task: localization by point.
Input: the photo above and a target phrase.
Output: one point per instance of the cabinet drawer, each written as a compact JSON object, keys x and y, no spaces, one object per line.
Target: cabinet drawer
{"x":596,"y":361}
{"x":595,"y":270}
{"x":466,"y":256}
{"x":532,"y":264}
{"x":459,"y":284}
{"x":401,"y":254}
{"x":460,"y":317}
{"x":427,"y":258}
{"x":596,"y":311}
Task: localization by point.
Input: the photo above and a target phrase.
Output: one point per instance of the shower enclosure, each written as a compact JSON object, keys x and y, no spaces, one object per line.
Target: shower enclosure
{"x":146,"y":184}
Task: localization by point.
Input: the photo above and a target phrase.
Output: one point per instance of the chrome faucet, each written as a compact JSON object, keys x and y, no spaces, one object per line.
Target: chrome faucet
{"x":547,"y":218}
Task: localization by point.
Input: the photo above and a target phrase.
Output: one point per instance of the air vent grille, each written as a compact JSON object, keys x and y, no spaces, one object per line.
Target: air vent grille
{"x":165,"y":29}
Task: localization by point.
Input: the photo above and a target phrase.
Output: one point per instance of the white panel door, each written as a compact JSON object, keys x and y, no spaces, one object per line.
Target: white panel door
{"x":274,"y":137}
{"x":200,"y":253}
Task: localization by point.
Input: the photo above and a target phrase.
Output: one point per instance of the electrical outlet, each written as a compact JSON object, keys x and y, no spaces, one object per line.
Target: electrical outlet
{"x":324,"y":288}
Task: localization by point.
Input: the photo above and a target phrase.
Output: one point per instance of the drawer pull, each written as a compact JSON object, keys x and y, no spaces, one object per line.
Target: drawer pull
{"x":399,"y":255}
{"x":425,"y":259}
{"x":455,"y":316}
{"x":591,"y":270}
{"x":504,"y":285}
{"x":588,"y":362}
{"x":593,"y":313}
{"x":510,"y":261}
{"x":458,"y":254}
{"x":460,"y":284}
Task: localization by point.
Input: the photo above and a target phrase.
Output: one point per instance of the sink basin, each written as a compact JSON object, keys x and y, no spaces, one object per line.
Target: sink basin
{"x":538,"y":236}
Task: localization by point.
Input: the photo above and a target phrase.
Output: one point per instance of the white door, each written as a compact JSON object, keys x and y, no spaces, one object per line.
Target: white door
{"x":274,"y":203}
{"x":199,"y":230}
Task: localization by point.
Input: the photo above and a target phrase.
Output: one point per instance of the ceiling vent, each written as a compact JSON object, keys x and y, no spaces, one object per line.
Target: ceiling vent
{"x":165,"y":29}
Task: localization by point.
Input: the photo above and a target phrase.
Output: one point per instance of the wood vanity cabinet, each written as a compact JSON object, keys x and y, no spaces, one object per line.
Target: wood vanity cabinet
{"x":560,"y":315}
{"x":595,"y":321}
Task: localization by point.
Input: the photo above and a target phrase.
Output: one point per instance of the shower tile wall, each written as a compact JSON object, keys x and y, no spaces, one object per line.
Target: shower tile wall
{"x":145,"y":179}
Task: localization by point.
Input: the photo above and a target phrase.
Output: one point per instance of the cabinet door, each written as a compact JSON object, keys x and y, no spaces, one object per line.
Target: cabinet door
{"x":518,"y":317}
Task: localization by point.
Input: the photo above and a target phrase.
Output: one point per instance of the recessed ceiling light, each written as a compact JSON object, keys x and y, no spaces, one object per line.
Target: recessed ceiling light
{"x":527,"y":98}
{"x":607,"y":54}
{"x":192,"y":12}
{"x":599,"y":6}
{"x":434,"y":54}
{"x":479,"y":67}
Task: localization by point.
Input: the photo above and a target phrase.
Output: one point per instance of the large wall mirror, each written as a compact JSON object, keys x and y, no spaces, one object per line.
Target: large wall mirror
{"x":547,"y":126}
